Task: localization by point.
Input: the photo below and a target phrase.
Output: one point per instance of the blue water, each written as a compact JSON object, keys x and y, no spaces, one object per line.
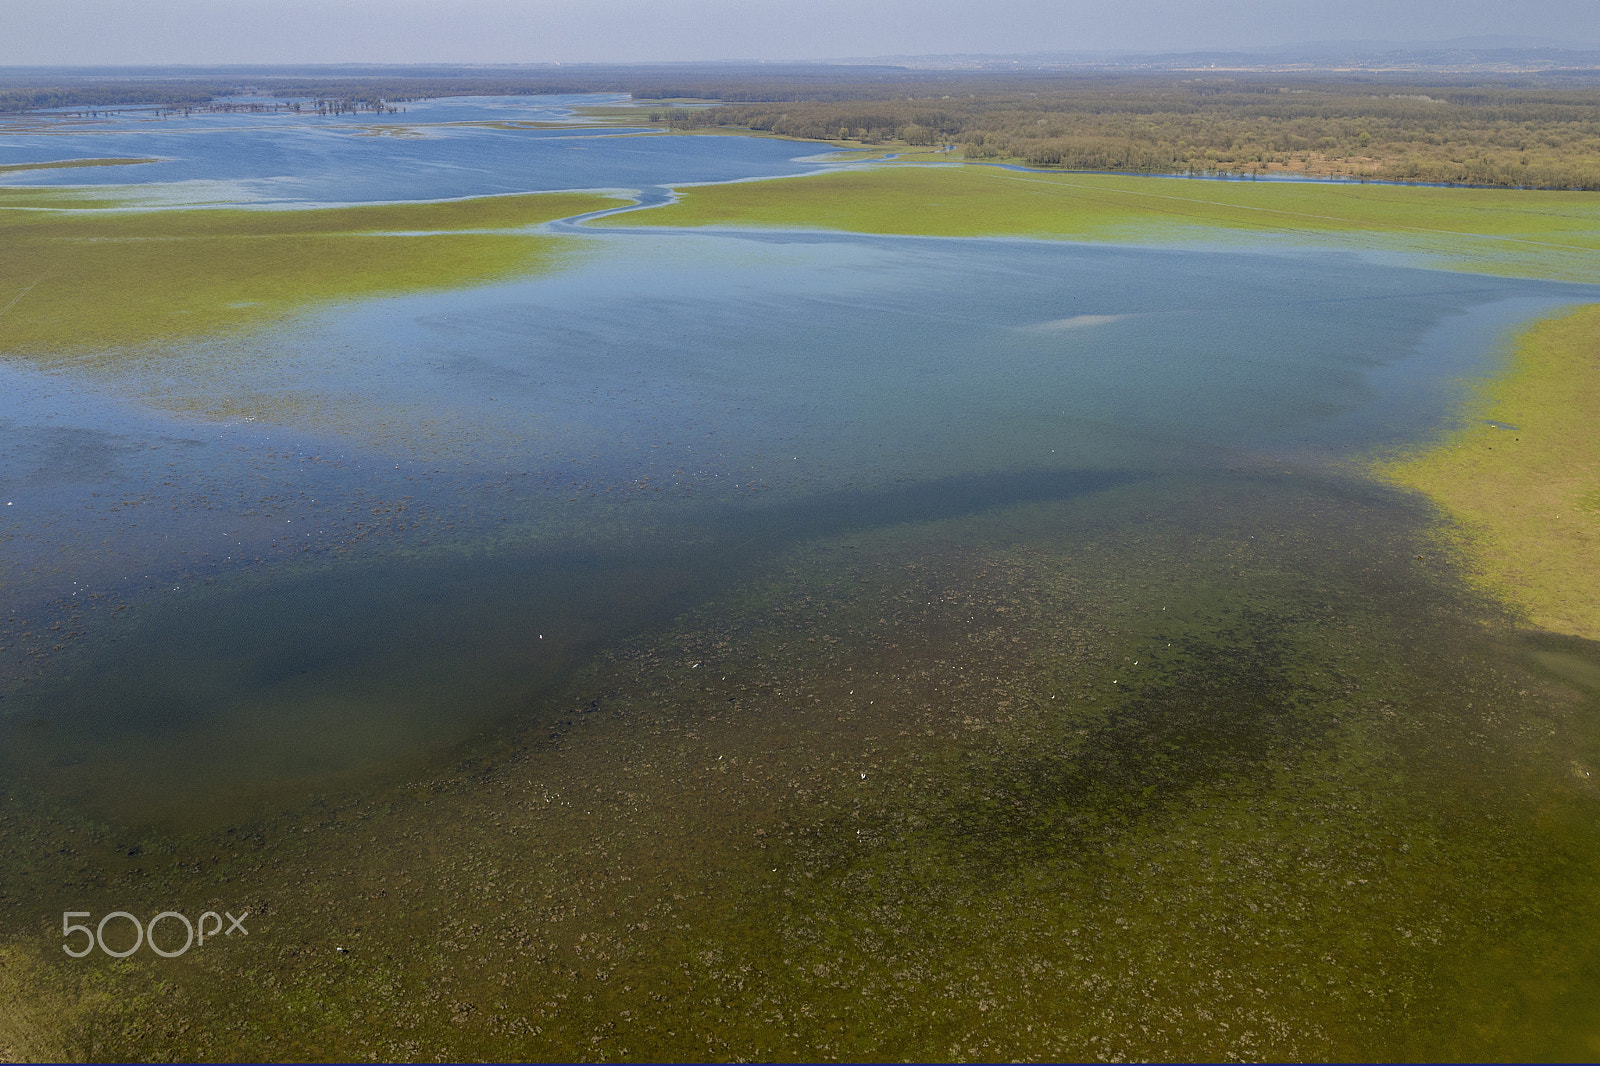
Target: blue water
{"x":835,"y":360}
{"x":734,"y":370}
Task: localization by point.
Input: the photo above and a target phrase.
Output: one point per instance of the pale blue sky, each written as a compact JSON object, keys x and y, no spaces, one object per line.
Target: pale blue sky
{"x":511,"y":31}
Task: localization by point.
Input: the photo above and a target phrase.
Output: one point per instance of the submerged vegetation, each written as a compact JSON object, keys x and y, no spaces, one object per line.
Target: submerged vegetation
{"x":1042,"y":782}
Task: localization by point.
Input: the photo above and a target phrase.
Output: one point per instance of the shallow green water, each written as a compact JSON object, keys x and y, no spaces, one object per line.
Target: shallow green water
{"x":1218,"y":769}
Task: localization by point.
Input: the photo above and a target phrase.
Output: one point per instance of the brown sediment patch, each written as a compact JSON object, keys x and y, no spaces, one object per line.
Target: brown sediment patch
{"x":1522,"y":482}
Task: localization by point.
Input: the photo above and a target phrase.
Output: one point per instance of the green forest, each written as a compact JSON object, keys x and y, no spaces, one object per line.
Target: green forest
{"x":1479,"y":134}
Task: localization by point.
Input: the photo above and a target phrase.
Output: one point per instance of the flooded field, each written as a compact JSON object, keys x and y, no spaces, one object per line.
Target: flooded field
{"x":754,"y":645}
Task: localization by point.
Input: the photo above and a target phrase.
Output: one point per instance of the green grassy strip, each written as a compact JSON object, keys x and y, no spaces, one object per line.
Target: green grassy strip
{"x":88,"y":282}
{"x":1527,"y":497}
{"x":68,"y":164}
{"x":1501,"y":231}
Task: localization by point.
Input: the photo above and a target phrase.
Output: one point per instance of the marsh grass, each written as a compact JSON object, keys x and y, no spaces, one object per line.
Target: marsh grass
{"x":81,"y":285}
{"x":1520,"y":477}
{"x":1510,"y":232}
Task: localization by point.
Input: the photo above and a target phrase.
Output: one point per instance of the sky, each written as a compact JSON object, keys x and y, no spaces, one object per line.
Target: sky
{"x":139,"y":32}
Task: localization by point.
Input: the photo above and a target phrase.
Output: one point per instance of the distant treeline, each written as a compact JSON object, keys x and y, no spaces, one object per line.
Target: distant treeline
{"x":45,"y":97}
{"x":1497,"y":134}
{"x":1539,"y":130}
{"x":345,"y":95}
{"x":320,"y":106}
{"x":24,"y":91}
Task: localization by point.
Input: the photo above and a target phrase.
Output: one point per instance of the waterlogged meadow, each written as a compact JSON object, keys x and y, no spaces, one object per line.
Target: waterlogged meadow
{"x":850,"y":635}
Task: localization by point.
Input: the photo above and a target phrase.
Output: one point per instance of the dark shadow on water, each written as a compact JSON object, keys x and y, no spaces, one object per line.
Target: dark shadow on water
{"x":255,"y":695}
{"x":927,"y":501}
{"x":1223,"y":700}
{"x":1573,"y":660}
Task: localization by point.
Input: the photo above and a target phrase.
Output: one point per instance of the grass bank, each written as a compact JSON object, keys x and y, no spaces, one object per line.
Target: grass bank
{"x":79,"y":279}
{"x":1523,"y":480}
{"x":1497,"y":231}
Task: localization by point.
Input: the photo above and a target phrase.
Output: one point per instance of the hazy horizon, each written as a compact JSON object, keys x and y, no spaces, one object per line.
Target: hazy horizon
{"x":288,"y":32}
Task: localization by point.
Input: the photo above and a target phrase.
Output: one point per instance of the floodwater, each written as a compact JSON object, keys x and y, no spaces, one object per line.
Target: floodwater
{"x":782,"y":645}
